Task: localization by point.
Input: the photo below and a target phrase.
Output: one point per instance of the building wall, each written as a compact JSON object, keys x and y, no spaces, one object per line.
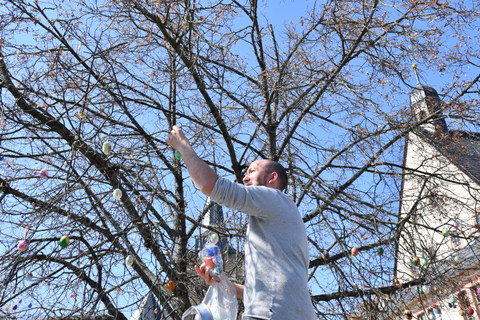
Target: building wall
{"x":438,"y":202}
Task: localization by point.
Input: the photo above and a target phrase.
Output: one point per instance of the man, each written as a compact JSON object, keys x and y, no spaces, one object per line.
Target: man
{"x":276,"y":252}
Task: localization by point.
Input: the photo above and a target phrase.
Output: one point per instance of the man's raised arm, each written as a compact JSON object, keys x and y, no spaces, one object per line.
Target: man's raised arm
{"x":203,"y":176}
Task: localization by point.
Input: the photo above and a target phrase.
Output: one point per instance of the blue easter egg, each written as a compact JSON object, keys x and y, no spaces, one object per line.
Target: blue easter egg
{"x":213,"y":251}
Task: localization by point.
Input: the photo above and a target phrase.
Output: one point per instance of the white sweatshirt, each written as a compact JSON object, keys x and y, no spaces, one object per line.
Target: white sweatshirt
{"x":276,"y":252}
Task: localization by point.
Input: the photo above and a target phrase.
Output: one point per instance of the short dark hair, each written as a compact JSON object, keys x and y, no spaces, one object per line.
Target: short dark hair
{"x":274,"y":166}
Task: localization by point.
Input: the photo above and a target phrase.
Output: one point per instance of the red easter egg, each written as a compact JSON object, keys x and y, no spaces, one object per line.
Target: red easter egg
{"x":354,"y":251}
{"x":209,"y":262}
{"x":170,"y":285}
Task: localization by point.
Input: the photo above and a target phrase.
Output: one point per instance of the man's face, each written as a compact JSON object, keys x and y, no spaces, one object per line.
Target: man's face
{"x":256,"y":174}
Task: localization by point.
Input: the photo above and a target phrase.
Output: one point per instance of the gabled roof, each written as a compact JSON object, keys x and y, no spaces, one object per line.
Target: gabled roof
{"x":460,"y":147}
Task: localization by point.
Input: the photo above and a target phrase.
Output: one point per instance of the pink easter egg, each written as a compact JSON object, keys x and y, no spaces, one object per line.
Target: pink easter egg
{"x":22,"y":245}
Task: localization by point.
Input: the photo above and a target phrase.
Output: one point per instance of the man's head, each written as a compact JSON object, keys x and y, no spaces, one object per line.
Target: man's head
{"x":266,"y":173}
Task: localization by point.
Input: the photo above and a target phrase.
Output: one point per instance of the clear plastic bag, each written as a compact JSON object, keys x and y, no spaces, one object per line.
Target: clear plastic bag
{"x":219,"y":303}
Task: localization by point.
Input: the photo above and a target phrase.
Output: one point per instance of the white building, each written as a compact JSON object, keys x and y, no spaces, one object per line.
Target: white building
{"x":439,"y":218}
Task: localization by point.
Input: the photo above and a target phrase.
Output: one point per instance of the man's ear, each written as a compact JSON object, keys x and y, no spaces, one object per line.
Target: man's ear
{"x":273,"y":178}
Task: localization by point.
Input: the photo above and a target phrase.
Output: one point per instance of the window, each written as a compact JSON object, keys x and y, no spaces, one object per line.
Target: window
{"x":465,"y":305}
{"x":477,"y":220}
{"x":456,"y":241}
{"x":476,"y":293}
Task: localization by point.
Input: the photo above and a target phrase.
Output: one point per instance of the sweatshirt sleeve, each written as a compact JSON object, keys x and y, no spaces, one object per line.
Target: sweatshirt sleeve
{"x":257,"y":201}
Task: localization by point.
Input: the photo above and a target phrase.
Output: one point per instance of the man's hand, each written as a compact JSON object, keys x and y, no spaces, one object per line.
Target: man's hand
{"x":202,"y":175}
{"x":204,"y":272}
{"x":177,"y":140}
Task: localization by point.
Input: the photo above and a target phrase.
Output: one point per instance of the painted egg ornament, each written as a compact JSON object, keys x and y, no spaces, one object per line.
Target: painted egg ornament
{"x":446,"y":233}
{"x":43,"y":173}
{"x":64,"y":241}
{"x":408,"y":314}
{"x":457,"y":259}
{"x":380,"y":251}
{"x":129,"y":260}
{"x":107,"y":147}
{"x":178,"y":155}
{"x":117,"y":194}
{"x":29,"y":276}
{"x":208,"y":261}
{"x":30,"y":305}
{"x":15,"y":307}
{"x":470,"y":311}
{"x":325,"y":255}
{"x":217,"y":271}
{"x":22,"y":245}
{"x":354,"y":251}
{"x":415,"y":261}
{"x":213,"y":238}
{"x":462,"y":312}
{"x":218,"y":260}
{"x":456,"y":224}
{"x":421,"y":291}
{"x":213,"y":251}
{"x":478,"y":291}
{"x":170,"y":285}
{"x":424,"y":261}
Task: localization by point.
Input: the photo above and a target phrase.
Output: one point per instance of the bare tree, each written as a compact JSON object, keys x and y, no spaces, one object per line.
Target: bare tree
{"x":90,"y":89}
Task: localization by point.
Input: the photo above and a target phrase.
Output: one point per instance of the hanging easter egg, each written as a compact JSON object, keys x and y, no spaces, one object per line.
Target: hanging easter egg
{"x":15,"y":307}
{"x":129,"y":260}
{"x":170,"y":285}
{"x":470,"y":311}
{"x":380,"y":251}
{"x":446,"y":233}
{"x":424,"y":261}
{"x":64,"y":241}
{"x":421,"y":291}
{"x":325,"y":255}
{"x":1,"y":158}
{"x":456,"y":224}
{"x":415,"y":261}
{"x":408,"y":314}
{"x":452,"y":299}
{"x":178,"y":155}
{"x":354,"y":251}
{"x":117,"y":194}
{"x":43,"y":173}
{"x":213,"y":238}
{"x":478,"y":291}
{"x":22,"y":245}
{"x":30,"y":305}
{"x":107,"y":147}
{"x":29,"y":276}
{"x":457,"y":259}
{"x":462,"y":312}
